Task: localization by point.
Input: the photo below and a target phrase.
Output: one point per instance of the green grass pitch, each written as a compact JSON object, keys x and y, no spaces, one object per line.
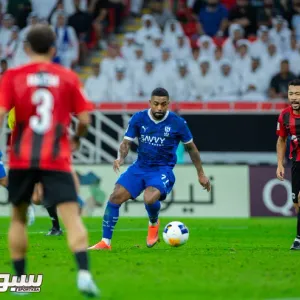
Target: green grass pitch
{"x":223,"y":259}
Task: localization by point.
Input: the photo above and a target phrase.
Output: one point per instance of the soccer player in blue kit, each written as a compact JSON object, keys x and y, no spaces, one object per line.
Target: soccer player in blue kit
{"x":3,"y":177}
{"x":159,"y":132}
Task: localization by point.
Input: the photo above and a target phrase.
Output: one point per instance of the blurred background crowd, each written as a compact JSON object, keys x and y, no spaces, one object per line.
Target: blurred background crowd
{"x":210,"y":50}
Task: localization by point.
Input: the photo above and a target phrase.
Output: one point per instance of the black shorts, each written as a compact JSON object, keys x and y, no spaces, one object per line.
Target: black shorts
{"x":58,"y":186}
{"x":295,"y":181}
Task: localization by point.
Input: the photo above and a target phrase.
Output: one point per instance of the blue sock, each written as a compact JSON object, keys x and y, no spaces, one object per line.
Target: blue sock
{"x":153,"y":211}
{"x":110,"y":219}
{"x":80,"y":201}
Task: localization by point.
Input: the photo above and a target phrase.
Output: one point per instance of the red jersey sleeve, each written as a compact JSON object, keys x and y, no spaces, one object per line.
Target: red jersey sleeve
{"x":281,"y":130}
{"x":79,"y":101}
{"x":6,"y":91}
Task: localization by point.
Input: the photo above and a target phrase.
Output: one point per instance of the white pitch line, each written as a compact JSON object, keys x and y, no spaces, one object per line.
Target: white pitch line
{"x":283,"y":298}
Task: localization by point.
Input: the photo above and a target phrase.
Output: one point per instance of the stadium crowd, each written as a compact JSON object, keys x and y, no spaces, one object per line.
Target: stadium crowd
{"x":250,"y":54}
{"x":212,"y":50}
{"x":80,"y":26}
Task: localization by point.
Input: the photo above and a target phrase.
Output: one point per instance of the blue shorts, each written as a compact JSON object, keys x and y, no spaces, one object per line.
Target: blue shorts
{"x":136,"y":179}
{"x":2,"y":169}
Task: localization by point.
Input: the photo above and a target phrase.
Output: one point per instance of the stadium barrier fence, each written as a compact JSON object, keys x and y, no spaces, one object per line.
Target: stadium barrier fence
{"x":237,"y":191}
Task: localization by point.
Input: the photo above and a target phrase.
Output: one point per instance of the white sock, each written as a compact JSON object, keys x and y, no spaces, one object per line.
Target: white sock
{"x":107,"y":241}
{"x":153,"y":224}
{"x":84,"y":274}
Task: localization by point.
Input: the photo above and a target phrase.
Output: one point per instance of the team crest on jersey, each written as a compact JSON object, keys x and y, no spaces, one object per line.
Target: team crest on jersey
{"x":167,"y":130}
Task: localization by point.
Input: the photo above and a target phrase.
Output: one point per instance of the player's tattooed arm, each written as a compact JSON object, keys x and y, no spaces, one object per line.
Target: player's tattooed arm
{"x":123,"y":152}
{"x":124,"y":149}
{"x":191,"y":148}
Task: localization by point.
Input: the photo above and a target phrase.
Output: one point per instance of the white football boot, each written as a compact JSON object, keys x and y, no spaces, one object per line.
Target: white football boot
{"x":86,"y":284}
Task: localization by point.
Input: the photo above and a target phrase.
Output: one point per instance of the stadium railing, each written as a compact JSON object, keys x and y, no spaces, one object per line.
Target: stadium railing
{"x":109,"y":121}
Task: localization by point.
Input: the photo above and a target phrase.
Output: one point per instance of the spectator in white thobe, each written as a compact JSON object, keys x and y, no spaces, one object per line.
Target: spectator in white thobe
{"x":96,"y":86}
{"x":128,"y":49}
{"x":236,"y":33}
{"x":183,"y":85}
{"x":171,"y":31}
{"x":183,"y":50}
{"x":255,"y":83}
{"x":10,"y":50}
{"x":149,"y":28}
{"x":271,"y":60}
{"x":154,"y":50}
{"x":227,"y":84}
{"x":147,"y":81}
{"x":207,"y":46}
{"x":166,"y":69}
{"x":121,"y":88}
{"x":205,"y":83}
{"x":21,"y":57}
{"x":294,"y":56}
{"x":59,"y":9}
{"x":136,"y":66}
{"x":280,"y":34}
{"x":260,"y":46}
{"x":31,"y":21}
{"x":193,"y":62}
{"x":242,"y":60}
{"x":110,"y":62}
{"x":215,"y":61}
{"x":66,"y":42}
{"x":5,"y":32}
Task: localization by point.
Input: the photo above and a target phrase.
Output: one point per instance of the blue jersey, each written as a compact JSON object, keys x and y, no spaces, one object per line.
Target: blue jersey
{"x":158,"y":140}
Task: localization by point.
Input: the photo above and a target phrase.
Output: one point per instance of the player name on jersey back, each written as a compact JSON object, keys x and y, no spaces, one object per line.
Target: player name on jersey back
{"x":42,"y":79}
{"x":43,"y":95}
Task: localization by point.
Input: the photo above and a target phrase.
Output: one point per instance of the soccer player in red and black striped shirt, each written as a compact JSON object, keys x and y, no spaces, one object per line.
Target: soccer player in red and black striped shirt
{"x":44,"y":96}
{"x":289,"y":125}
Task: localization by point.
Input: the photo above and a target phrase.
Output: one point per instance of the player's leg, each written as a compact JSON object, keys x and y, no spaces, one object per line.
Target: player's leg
{"x":128,"y":186}
{"x":111,"y":216}
{"x":296,"y":200}
{"x":77,"y":186}
{"x":158,"y":185}
{"x":78,"y":243}
{"x":37,"y":199}
{"x":152,"y":205}
{"x":21,"y":184}
{"x":76,"y":233}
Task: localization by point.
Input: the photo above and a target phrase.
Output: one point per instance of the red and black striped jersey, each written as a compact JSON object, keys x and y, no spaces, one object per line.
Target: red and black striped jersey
{"x":44,"y":96}
{"x":289,"y":125}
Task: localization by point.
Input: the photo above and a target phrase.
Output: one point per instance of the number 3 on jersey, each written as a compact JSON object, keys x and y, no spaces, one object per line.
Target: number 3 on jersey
{"x":43,"y":99}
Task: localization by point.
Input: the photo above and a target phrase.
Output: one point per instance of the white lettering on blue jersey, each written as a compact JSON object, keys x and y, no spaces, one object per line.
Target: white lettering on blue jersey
{"x":158,"y":140}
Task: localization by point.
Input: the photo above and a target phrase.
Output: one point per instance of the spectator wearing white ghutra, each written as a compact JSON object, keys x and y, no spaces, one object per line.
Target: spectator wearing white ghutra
{"x":120,"y":88}
{"x":66,"y":42}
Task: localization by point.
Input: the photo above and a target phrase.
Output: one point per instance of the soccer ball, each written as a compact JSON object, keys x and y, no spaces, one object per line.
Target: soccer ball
{"x":176,"y":234}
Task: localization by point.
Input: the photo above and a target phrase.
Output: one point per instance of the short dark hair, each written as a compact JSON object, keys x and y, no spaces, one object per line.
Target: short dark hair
{"x":41,"y":38}
{"x":160,"y":92}
{"x":295,"y":82}
{"x":285,"y":61}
